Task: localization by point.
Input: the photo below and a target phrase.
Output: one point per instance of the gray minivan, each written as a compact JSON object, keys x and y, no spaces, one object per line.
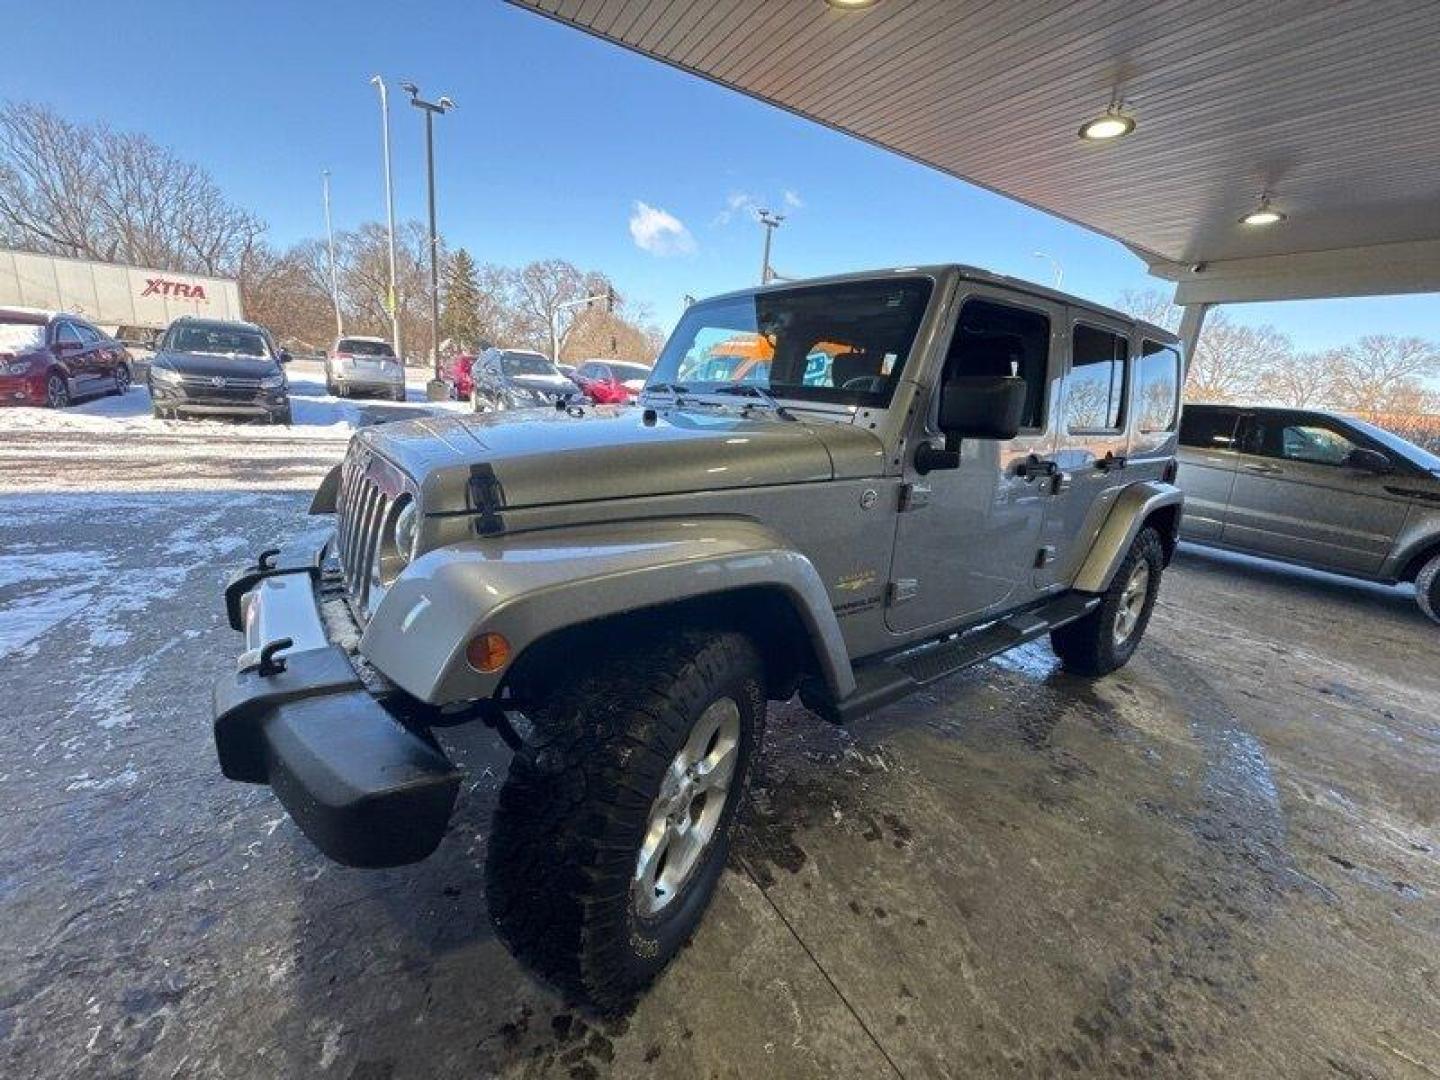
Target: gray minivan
{"x":1315,"y":488}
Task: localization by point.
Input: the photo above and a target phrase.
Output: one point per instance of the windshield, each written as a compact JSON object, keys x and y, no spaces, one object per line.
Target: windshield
{"x":364,"y":348}
{"x":844,"y":343}
{"x":526,"y":363}
{"x":21,"y":336}
{"x":1403,"y":447}
{"x":629,"y":372}
{"x":217,"y":341}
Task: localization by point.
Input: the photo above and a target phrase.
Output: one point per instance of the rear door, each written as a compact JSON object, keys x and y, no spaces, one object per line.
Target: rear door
{"x":1208,"y":456}
{"x":1295,"y":497}
{"x":1093,"y":442}
{"x":74,"y":356}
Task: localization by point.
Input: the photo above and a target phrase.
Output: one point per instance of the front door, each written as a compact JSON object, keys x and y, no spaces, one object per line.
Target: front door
{"x":967,"y":538}
{"x":1093,"y":443}
{"x":1296,"y":498}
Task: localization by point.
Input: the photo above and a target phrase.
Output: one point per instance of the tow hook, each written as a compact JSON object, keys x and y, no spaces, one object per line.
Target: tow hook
{"x":269,"y":664}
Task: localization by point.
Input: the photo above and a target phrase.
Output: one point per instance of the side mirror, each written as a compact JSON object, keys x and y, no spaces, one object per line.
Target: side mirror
{"x":1371,"y":461}
{"x":284,"y":356}
{"x":974,"y":407}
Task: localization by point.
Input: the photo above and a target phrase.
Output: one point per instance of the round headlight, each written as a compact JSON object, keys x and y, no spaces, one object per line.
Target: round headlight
{"x":407,"y":531}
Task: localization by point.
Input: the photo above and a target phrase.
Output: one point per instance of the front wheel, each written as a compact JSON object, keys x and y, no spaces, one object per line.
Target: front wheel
{"x":1106,"y":638}
{"x":122,"y":380}
{"x":1427,"y":588}
{"x":613,"y":826}
{"x":57,"y":391}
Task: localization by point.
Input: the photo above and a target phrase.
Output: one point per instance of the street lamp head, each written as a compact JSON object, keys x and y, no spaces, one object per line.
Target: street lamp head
{"x":375,"y":80}
{"x":410,"y":88}
{"x":445,"y":104}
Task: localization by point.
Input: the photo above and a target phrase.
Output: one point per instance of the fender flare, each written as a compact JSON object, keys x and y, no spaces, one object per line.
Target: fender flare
{"x":1132,"y":508}
{"x":327,"y":494}
{"x":527,"y":585}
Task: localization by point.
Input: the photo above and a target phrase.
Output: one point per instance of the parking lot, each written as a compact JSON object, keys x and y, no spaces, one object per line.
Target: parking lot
{"x":1223,"y":860}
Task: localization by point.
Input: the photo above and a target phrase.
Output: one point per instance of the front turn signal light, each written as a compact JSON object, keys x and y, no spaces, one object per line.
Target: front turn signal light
{"x":487,"y":653}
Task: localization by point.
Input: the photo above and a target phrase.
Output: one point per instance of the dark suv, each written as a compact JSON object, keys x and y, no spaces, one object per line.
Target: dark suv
{"x":1316,"y":488}
{"x":51,"y":358}
{"x":208,"y":367}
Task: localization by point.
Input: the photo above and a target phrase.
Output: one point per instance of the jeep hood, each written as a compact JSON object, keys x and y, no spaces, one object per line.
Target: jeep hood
{"x":542,"y":457}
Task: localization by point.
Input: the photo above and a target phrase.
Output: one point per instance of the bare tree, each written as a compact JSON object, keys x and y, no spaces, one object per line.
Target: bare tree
{"x":1305,"y":381}
{"x":1382,"y":373}
{"x":95,"y":193}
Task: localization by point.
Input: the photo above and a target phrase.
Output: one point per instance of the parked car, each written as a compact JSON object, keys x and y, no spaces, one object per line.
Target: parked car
{"x":206,"y":367}
{"x":983,"y":464}
{"x":52,"y":358}
{"x":457,"y":372}
{"x":1315,"y":488}
{"x":515,"y":379}
{"x":364,"y":365}
{"x":611,"y":382}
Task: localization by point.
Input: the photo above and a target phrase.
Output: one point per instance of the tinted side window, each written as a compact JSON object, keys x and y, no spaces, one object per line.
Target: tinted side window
{"x":1095,"y":387}
{"x":88,"y":334}
{"x":66,"y":334}
{"x":994,"y":339}
{"x":1208,"y":428}
{"x":1157,"y":386}
{"x":1316,"y":443}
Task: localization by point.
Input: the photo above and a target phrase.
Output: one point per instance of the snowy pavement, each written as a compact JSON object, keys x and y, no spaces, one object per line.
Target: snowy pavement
{"x":115,"y":443}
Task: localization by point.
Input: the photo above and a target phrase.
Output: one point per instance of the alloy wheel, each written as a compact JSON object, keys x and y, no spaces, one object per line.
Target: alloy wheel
{"x":57,"y":393}
{"x":686,"y":814}
{"x":1132,"y":602}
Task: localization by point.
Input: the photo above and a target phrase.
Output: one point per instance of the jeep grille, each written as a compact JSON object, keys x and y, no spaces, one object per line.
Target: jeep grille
{"x":369,"y":486}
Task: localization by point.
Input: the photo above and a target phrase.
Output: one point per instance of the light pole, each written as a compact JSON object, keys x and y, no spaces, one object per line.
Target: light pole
{"x":608,"y":296}
{"x":330,"y":239}
{"x":392,"y":300}
{"x":771,"y":221}
{"x":430,"y":108}
{"x":1054,"y":262}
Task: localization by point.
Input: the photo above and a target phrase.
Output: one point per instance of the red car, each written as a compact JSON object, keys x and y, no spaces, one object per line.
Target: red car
{"x":610,"y":382}
{"x":458,"y":375}
{"x":51,"y":358}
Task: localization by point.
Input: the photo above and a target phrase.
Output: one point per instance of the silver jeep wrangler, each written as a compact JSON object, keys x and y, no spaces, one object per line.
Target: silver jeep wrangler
{"x":849,"y":487}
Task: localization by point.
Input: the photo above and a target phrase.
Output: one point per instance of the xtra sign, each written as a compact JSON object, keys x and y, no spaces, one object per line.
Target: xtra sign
{"x":178,"y":290}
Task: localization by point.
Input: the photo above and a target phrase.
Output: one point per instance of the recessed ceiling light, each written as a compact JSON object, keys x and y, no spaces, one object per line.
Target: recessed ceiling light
{"x":850,"y":5}
{"x":1264,"y":214}
{"x":1111,"y":124}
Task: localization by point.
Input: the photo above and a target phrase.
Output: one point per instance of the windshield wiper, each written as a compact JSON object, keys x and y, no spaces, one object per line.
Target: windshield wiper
{"x":760,"y":394}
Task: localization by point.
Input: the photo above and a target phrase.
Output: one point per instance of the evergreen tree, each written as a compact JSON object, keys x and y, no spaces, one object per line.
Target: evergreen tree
{"x":460,"y":313}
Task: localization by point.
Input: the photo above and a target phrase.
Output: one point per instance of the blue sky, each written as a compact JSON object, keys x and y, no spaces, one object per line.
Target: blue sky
{"x":557,"y":139}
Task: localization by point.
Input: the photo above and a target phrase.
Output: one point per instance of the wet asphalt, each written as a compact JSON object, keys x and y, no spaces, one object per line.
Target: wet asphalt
{"x":1222,"y":861}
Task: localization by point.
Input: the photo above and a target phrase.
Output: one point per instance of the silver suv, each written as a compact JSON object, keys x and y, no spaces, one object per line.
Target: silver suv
{"x":915,"y":470}
{"x":1315,"y":488}
{"x":364,"y":365}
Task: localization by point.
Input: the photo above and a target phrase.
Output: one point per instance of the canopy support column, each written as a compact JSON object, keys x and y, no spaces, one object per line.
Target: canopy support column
{"x":1191,"y":321}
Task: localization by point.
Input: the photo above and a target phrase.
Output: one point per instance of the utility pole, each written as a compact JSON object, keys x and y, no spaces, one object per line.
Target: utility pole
{"x":330,"y":238}
{"x":436,"y":388}
{"x":392,"y":299}
{"x":771,"y":221}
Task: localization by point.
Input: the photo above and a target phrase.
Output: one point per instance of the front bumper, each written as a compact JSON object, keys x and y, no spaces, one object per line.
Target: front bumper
{"x":219,"y":403}
{"x":367,"y":789}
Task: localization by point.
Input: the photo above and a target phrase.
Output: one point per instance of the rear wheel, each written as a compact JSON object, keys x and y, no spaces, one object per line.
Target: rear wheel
{"x":1107,"y":637}
{"x":122,"y":380}
{"x":57,"y":391}
{"x":1427,"y":588}
{"x":613,"y":825}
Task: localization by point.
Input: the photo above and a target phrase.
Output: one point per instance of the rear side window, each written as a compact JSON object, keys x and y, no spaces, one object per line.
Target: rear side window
{"x":1095,"y":387}
{"x":66,"y":334}
{"x":993,"y":339}
{"x":1207,"y":428}
{"x":1157,"y":387}
{"x":21,"y":336}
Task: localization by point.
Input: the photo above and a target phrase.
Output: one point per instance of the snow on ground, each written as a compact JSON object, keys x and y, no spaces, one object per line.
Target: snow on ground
{"x":115,"y":443}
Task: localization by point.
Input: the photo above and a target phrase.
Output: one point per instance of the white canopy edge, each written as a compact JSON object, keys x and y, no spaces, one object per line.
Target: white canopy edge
{"x":1380,"y":269}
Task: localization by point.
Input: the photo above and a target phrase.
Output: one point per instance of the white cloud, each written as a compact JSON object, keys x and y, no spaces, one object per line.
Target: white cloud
{"x":658,"y":232}
{"x":793,"y":200}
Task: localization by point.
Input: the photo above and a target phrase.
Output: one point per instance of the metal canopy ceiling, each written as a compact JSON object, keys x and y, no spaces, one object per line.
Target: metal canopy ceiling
{"x":1331,"y":107}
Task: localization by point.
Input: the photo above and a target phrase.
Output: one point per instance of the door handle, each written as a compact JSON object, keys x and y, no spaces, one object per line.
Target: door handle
{"x":1263,"y":470}
{"x":1034,"y":467}
{"x":1110,"y":461}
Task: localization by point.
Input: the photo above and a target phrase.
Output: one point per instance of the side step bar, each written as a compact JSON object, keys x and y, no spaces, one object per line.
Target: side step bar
{"x":882,"y":681}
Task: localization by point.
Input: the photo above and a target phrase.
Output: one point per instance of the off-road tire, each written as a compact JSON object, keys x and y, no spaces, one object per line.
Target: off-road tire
{"x":1427,"y":587}
{"x":1088,"y":645}
{"x":574,"y":810}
